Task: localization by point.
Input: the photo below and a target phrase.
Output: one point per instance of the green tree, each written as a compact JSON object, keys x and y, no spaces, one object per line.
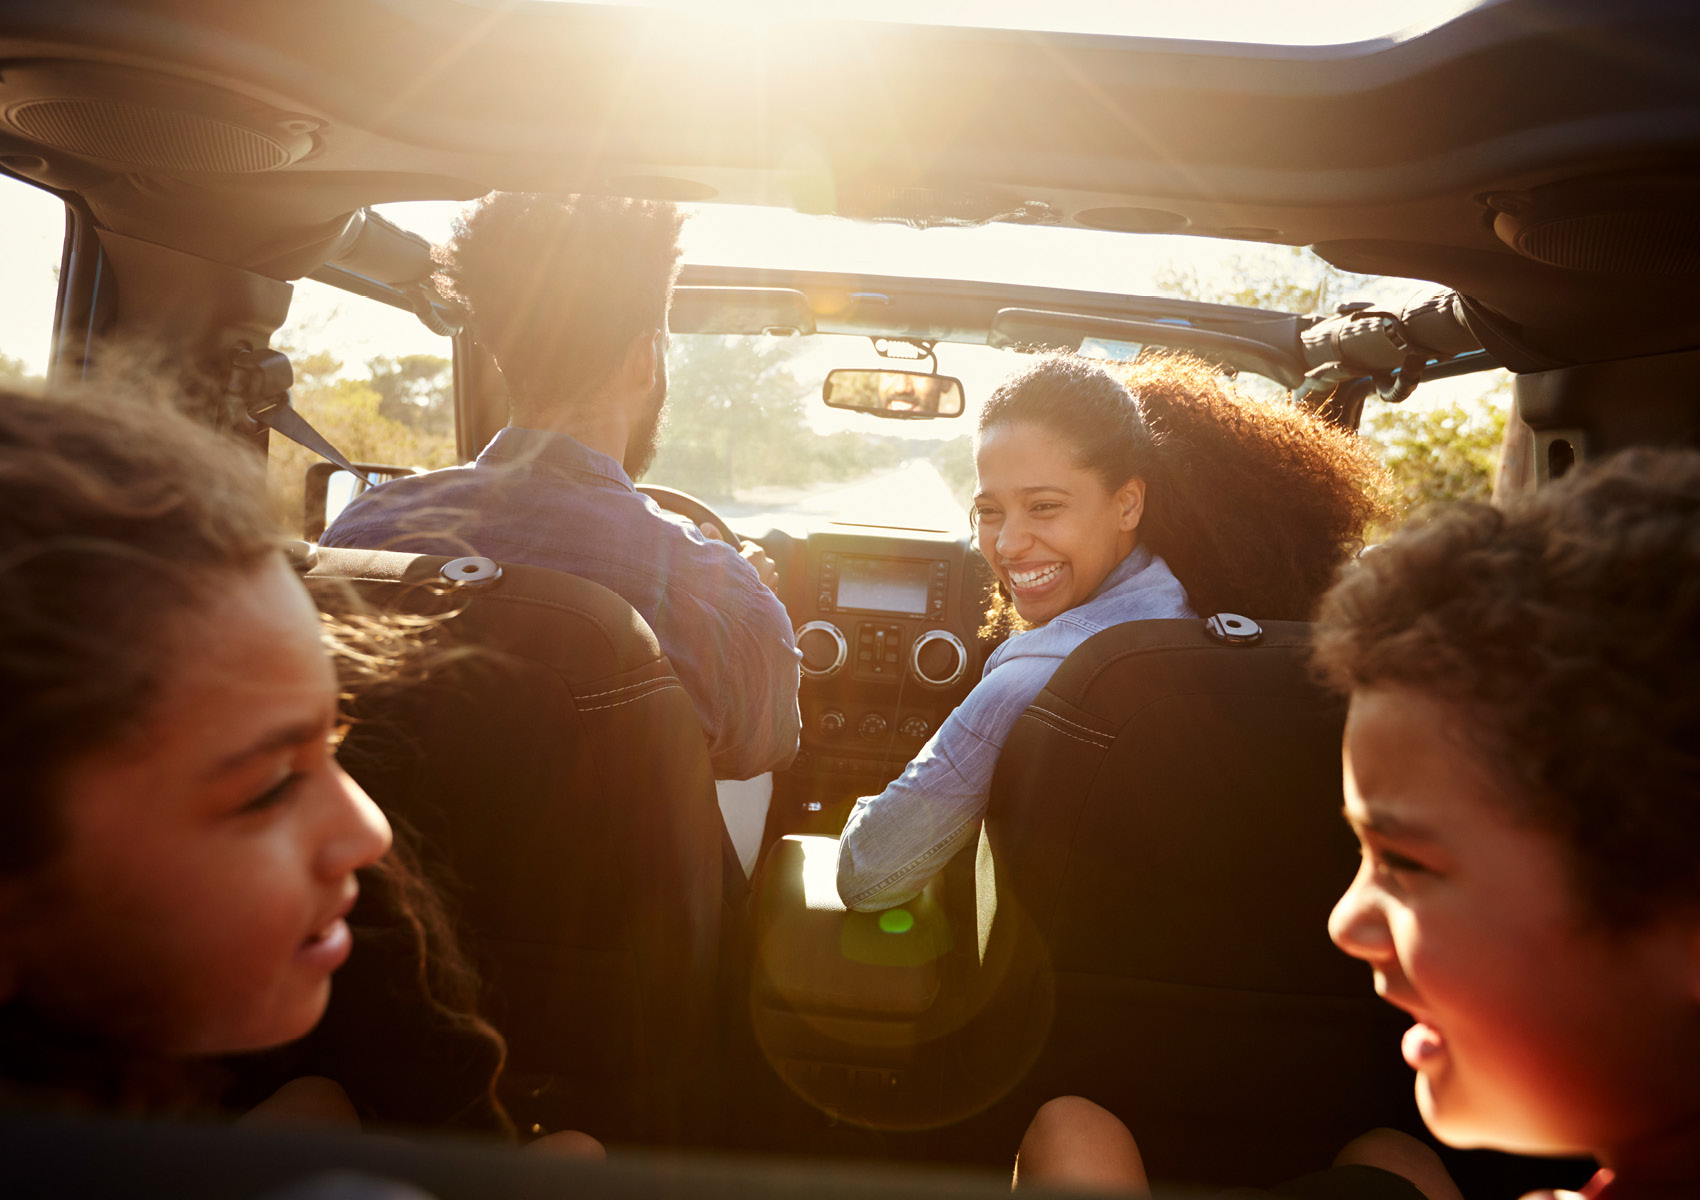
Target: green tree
{"x":736,"y":419}
{"x":348,"y":413}
{"x":16,"y":370}
{"x":417,"y":390}
{"x":1442,"y":454}
{"x":1283,"y":278}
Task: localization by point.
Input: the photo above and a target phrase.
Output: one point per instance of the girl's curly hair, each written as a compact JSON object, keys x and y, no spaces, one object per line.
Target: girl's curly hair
{"x":1564,"y":630}
{"x":119,"y":517}
{"x":1253,"y":504}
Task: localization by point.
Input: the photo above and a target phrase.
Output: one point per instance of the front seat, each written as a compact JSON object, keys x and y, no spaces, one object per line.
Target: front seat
{"x":558,"y":781}
{"x":1165,"y":833}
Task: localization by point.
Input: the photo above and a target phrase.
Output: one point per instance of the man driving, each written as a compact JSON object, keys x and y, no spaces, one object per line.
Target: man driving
{"x":570,"y":296}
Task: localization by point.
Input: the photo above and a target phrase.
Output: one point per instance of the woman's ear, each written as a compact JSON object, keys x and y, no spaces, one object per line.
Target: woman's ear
{"x":1130,"y":504}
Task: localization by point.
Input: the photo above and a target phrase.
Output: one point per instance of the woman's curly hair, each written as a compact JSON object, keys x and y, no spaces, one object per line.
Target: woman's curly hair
{"x":559,"y":286}
{"x":1253,"y":504}
{"x":1564,"y":630}
{"x":119,"y":518}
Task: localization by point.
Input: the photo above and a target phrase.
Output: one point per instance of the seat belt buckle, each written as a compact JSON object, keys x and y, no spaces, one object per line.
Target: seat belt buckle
{"x":260,"y":381}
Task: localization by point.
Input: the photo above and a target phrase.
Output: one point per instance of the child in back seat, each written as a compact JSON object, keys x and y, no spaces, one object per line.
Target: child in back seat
{"x":178,"y":847}
{"x":1522,"y":758}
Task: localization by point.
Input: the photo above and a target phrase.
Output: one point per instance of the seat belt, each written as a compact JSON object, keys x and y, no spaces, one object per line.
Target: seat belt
{"x":260,"y":381}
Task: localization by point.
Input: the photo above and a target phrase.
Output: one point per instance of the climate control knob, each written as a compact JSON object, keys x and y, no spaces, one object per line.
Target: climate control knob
{"x":872,"y":727}
{"x":938,"y":658}
{"x":830,"y":723}
{"x":824,"y":649}
{"x":914,"y":727}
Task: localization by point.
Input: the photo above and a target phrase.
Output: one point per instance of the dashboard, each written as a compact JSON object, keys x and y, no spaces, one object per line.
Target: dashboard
{"x":887,"y":624}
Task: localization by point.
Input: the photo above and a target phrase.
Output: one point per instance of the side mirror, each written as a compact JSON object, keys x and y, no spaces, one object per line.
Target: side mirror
{"x":330,"y":489}
{"x":900,"y":395}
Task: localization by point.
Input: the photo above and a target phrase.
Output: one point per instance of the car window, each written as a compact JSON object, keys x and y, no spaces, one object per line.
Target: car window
{"x":29,"y":277}
{"x":1443,"y":444}
{"x":369,"y":377}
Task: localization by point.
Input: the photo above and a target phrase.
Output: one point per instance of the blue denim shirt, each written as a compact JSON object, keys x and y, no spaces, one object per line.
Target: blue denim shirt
{"x":548,"y":500}
{"x":898,"y":840}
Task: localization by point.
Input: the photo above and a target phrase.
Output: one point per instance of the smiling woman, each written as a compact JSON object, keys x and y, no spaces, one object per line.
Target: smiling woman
{"x":1154,"y":492}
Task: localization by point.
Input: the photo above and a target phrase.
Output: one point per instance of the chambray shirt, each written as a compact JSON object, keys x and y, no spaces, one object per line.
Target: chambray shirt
{"x":898,"y":840}
{"x":547,"y":500}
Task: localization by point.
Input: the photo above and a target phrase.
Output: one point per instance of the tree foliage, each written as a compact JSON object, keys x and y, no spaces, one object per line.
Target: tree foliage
{"x":1283,"y":278}
{"x":416,"y":390}
{"x":16,"y":370}
{"x":350,"y":414}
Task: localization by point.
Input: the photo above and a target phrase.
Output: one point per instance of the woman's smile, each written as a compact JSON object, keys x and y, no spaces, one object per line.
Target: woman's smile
{"x":1051,"y":529}
{"x":1033,"y":581}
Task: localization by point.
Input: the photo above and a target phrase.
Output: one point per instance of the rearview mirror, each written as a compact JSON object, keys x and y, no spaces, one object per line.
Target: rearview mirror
{"x":901,"y":395}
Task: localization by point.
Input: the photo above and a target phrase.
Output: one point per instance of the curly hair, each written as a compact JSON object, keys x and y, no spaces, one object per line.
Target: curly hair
{"x":119,"y":518}
{"x":558,"y":287}
{"x":1565,"y":630}
{"x":1253,"y":504}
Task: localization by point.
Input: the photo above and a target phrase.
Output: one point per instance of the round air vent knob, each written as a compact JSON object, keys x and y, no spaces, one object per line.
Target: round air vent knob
{"x":823,"y":648}
{"x":938,"y":658}
{"x":914,"y":727}
{"x":831,"y":723}
{"x":872,"y":727}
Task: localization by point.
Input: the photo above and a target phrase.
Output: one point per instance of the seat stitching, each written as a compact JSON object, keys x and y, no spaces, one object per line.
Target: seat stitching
{"x":669,"y":684}
{"x":1049,"y":712}
{"x":614,"y":691}
{"x":1039,"y":715}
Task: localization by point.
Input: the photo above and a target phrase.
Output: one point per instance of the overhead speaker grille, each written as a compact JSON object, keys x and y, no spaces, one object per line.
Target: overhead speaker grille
{"x":143,"y":136}
{"x":1631,"y":243}
{"x":1626,"y":225}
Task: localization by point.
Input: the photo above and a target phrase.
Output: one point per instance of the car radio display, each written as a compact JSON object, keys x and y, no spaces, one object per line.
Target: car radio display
{"x":882,"y":585}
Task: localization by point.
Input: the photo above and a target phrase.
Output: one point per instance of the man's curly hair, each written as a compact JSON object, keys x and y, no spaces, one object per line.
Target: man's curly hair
{"x":1564,"y":630}
{"x":559,"y":286}
{"x":1253,"y":504}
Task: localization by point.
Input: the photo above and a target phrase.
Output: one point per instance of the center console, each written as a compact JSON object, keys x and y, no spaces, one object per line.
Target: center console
{"x":889,"y":646}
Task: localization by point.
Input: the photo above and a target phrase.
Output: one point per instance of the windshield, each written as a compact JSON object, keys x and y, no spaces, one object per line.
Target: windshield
{"x":746,"y":431}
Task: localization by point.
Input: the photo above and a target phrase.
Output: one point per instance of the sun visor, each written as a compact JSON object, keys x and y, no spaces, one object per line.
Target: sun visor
{"x":781,"y":311}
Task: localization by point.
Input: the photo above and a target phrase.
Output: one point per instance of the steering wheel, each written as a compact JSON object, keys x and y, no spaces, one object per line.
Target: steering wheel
{"x":689,"y":506}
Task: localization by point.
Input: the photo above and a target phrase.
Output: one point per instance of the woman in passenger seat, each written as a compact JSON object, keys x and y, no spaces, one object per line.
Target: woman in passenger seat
{"x":179,"y":850}
{"x":1102,"y":498}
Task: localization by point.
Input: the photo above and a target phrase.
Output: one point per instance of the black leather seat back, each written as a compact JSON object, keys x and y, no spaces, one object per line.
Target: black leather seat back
{"x":1167,"y":819}
{"x":558,"y":781}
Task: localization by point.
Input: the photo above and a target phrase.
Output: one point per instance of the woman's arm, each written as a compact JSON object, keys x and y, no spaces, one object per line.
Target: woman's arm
{"x":894,"y":843}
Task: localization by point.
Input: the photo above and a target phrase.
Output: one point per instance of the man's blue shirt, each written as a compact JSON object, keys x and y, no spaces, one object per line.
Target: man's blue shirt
{"x":548,"y":500}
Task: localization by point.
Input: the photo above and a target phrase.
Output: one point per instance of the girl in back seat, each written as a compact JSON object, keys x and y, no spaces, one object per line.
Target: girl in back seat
{"x":180,"y":853}
{"x":1153,"y":492}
